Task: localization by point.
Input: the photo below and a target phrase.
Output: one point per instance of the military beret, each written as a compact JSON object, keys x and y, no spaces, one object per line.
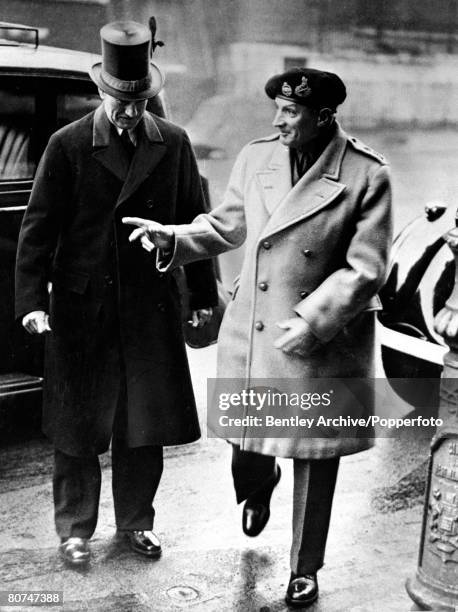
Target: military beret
{"x":314,"y":88}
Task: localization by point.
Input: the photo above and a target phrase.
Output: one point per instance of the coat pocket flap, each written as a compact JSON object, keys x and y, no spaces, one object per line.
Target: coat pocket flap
{"x":71,"y":279}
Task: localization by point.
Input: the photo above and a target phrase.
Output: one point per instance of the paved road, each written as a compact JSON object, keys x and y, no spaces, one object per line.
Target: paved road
{"x":208,"y":564}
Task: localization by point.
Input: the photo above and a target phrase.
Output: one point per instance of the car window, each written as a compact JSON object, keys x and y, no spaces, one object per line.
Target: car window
{"x":31,"y":109}
{"x":17,"y":111}
{"x":71,"y":106}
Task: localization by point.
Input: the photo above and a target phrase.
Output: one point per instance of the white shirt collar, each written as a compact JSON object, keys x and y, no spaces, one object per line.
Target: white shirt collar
{"x":132,"y":133}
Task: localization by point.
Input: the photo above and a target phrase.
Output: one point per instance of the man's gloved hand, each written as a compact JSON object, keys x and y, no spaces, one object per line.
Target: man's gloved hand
{"x":200,"y":317}
{"x":36,"y":322}
{"x":298,"y":338}
{"x":150,"y":233}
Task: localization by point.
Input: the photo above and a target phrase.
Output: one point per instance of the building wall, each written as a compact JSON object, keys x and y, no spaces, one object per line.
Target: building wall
{"x":424,"y":15}
{"x":419,"y":26}
{"x":382,"y":90}
{"x":294,"y":21}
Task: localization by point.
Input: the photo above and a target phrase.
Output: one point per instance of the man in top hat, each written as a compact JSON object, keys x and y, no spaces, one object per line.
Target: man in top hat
{"x":115,"y":365}
{"x":314,"y":207}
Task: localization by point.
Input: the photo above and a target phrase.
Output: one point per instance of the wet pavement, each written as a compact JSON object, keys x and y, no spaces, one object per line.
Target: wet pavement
{"x":208,"y":564}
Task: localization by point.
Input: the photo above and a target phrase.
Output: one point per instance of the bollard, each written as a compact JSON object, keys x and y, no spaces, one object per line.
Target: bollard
{"x":435,"y":585}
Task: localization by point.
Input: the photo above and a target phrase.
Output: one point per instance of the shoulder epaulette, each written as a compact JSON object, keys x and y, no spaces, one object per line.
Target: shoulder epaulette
{"x":266,"y":139}
{"x":363,"y":148}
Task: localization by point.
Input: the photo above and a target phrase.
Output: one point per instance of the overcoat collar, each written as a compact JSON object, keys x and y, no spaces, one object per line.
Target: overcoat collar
{"x":318,"y":188}
{"x":150,"y":149}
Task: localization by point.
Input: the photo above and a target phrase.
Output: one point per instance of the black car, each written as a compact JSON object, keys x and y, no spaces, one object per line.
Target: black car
{"x":421,"y":279}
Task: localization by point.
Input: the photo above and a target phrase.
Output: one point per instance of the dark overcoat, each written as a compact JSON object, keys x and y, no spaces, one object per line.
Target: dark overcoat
{"x":318,"y":250}
{"x":73,"y":238}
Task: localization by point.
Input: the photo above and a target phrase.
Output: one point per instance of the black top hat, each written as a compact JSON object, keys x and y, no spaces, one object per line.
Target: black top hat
{"x":126,"y":71}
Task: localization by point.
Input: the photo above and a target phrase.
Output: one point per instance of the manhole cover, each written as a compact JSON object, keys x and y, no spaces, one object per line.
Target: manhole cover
{"x":182,"y":593}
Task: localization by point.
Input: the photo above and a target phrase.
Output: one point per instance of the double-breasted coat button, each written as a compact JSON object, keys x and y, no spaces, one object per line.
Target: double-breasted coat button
{"x":259,"y":325}
{"x":263,"y":286}
{"x":304,"y":294}
{"x":266,"y":245}
{"x":108,"y":280}
{"x":307,"y":253}
{"x":150,"y":203}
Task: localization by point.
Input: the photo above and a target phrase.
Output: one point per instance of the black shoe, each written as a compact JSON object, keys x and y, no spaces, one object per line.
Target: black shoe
{"x":302,"y":591}
{"x":144,"y":542}
{"x":75,"y":551}
{"x":256,"y":511}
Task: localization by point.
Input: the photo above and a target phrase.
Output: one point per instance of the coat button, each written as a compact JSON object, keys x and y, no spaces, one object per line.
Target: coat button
{"x":307,"y":253}
{"x":150,"y":203}
{"x":259,"y":325}
{"x":266,"y":245}
{"x":263,"y":286}
{"x":161,"y":306}
{"x":304,"y":294}
{"x":108,"y":280}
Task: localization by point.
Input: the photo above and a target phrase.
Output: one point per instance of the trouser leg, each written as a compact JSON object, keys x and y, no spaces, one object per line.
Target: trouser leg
{"x":136,"y":472}
{"x":251,"y":472}
{"x":76,"y":489}
{"x":314,"y":484}
{"x":136,"y":476}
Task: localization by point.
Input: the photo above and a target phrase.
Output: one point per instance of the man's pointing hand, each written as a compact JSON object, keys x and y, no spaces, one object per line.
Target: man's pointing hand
{"x":150,"y":233}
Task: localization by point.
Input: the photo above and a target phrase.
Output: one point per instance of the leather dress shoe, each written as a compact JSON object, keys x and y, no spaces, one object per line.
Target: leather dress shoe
{"x":256,"y":511}
{"x":302,"y":591}
{"x":144,"y":542}
{"x":75,"y":551}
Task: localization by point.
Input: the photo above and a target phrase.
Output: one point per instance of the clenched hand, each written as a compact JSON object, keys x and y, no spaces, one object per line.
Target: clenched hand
{"x":298,"y":338}
{"x":36,"y":322}
{"x":200,"y":317}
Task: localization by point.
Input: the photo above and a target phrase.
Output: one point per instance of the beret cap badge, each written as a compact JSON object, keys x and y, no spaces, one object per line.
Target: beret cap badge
{"x":308,"y":86}
{"x":286,"y":89}
{"x":303,"y":90}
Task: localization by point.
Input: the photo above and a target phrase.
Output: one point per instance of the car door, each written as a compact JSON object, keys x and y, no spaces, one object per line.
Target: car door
{"x":32,"y":107}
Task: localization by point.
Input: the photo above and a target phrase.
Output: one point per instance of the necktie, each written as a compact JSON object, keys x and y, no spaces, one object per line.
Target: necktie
{"x":128,"y":145}
{"x":301,"y":163}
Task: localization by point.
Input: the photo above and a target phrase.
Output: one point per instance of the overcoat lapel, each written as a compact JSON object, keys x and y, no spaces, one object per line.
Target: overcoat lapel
{"x":317,"y":189}
{"x":275,"y":181}
{"x":150,"y":149}
{"x":106,"y":149}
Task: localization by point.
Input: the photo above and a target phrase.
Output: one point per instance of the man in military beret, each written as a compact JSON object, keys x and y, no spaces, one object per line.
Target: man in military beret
{"x":116,"y":366}
{"x":314,"y":207}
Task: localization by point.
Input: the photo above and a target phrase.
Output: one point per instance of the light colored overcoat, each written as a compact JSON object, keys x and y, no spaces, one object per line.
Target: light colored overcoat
{"x":318,"y":250}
